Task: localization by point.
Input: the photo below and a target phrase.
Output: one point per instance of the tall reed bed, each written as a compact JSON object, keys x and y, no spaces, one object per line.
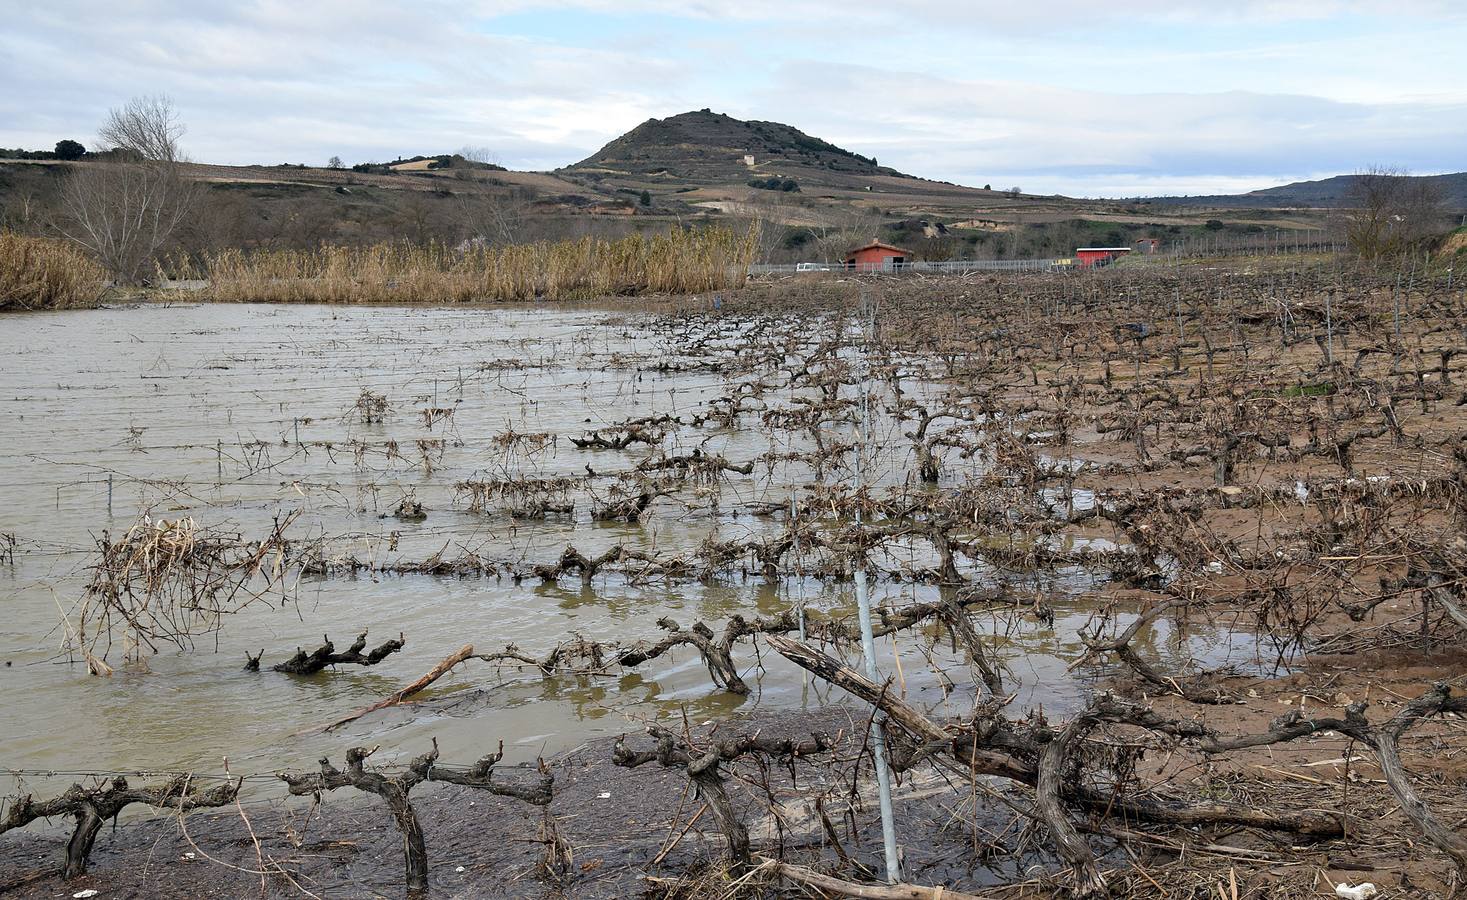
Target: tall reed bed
{"x":43,"y":273}
{"x":677,"y":262}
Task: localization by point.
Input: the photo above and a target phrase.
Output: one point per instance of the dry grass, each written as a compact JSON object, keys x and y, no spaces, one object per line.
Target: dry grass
{"x":170,"y":582}
{"x":42,"y":273}
{"x":678,"y":262}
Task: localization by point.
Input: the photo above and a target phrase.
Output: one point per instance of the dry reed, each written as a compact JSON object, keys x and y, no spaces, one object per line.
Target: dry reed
{"x":169,"y":582}
{"x":676,"y":262}
{"x":44,"y":273}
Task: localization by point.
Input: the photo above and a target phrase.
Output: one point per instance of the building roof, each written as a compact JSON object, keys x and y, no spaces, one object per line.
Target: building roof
{"x":1099,"y":249}
{"x":878,"y":245}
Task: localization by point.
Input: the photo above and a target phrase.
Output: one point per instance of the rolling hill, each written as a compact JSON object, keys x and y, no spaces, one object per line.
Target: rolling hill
{"x":1322,"y":193}
{"x":691,"y":168}
{"x":705,"y":147}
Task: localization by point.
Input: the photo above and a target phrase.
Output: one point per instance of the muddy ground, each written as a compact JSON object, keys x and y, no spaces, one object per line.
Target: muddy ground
{"x":629,"y":830}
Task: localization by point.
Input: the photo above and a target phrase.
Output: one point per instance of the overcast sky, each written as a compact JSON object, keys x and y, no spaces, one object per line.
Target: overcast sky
{"x":1174,"y":96}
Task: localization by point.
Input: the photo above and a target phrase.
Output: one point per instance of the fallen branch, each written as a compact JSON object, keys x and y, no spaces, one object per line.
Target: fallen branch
{"x":898,"y":891}
{"x":393,"y":699}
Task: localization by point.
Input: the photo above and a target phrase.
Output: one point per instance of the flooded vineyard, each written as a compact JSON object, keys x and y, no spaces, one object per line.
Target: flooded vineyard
{"x":592,"y":522}
{"x":386,"y":442}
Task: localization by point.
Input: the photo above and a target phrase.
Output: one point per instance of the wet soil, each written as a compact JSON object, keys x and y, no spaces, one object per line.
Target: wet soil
{"x":628,"y":829}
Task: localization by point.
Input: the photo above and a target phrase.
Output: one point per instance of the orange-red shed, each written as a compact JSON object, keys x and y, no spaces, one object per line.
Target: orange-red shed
{"x":877,"y":257}
{"x":1088,"y":257}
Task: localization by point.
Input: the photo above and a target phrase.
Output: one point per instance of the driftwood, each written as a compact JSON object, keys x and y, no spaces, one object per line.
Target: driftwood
{"x":92,"y":807}
{"x":397,"y":697}
{"x":840,"y":887}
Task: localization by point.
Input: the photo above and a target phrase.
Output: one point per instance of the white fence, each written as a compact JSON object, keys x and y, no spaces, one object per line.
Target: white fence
{"x":948,"y":266}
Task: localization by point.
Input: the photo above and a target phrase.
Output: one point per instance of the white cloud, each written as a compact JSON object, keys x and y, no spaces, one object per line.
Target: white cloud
{"x":983,"y":132}
{"x":1047,"y":93}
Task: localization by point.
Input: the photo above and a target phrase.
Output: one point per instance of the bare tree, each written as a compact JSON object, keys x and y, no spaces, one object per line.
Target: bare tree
{"x":491,"y":216}
{"x":22,"y":210}
{"x":494,"y":218}
{"x":125,"y":210}
{"x":148,"y":126}
{"x":836,"y":229}
{"x":770,"y":214}
{"x":1387,"y":211}
{"x":470,"y":162}
{"x":481,"y":155}
{"x":335,"y":163}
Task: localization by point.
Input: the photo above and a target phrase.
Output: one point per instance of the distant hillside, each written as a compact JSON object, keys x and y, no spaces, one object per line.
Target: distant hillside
{"x":705,"y":147}
{"x":1325,"y":192}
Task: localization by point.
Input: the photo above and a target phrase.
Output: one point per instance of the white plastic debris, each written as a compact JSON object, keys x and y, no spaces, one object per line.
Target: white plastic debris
{"x":89,"y":892}
{"x":189,"y":855}
{"x":459,"y":869}
{"x":1359,"y":892}
{"x":604,"y":795}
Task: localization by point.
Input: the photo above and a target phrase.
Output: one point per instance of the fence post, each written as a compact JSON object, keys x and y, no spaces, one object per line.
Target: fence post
{"x":868,"y":647}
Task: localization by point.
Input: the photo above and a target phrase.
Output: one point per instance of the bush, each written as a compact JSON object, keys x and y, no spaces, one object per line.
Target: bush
{"x":26,"y":154}
{"x":69,"y":150}
{"x":42,"y":273}
{"x":774,"y":183}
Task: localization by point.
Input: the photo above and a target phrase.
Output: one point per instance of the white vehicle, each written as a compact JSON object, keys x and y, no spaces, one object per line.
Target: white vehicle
{"x":812,"y":267}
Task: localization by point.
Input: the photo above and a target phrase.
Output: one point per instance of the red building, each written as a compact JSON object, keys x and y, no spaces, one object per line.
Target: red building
{"x":877,"y":257}
{"x":1086,"y":257}
{"x":1148,"y":246}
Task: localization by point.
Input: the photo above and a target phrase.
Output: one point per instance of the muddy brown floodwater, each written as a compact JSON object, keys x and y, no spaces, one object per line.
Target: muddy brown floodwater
{"x":238,"y":415}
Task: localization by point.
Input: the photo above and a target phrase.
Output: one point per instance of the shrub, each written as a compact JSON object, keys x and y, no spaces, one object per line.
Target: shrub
{"x":774,"y":183}
{"x":69,"y":150}
{"x":42,"y":273}
{"x":19,"y":153}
